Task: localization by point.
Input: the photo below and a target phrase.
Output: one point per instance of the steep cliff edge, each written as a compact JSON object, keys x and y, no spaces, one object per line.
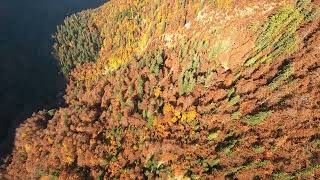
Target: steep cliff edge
{"x":183,"y":89}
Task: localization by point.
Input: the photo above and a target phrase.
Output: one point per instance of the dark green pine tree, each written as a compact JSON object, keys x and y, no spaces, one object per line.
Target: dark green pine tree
{"x":77,"y":41}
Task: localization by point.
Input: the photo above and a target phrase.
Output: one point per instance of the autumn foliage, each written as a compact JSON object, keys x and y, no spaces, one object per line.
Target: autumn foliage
{"x":186,"y":90}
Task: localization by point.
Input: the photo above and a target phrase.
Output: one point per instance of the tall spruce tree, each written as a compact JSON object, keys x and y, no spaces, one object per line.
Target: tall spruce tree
{"x":77,"y":41}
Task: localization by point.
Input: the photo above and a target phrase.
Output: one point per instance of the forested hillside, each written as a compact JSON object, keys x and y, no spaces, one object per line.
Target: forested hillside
{"x":216,"y":89}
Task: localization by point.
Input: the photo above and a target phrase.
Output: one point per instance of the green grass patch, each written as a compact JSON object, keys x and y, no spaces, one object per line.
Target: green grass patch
{"x":236,"y":115}
{"x":282,"y":176}
{"x":308,"y":171}
{"x":235,"y":100}
{"x":231,"y":92}
{"x":246,"y":166}
{"x":210,"y":164}
{"x":218,"y":48}
{"x":213,"y":135}
{"x":258,"y":149}
{"x":226,"y":146}
{"x":283,"y":74}
{"x":258,"y":118}
{"x":297,"y":175}
{"x":187,"y":78}
{"x":278,"y":33}
{"x":317,"y":143}
{"x":153,"y":168}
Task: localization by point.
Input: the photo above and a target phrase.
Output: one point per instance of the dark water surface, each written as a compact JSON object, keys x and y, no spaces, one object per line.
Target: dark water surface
{"x":29,"y":78}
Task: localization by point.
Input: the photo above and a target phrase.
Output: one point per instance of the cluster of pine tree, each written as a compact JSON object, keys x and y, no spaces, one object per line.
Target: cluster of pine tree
{"x":77,"y":41}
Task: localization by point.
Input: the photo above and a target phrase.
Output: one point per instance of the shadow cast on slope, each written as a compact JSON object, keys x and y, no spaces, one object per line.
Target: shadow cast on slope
{"x":29,"y":76}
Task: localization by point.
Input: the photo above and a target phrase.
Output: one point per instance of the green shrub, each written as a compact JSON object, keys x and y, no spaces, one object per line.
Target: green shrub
{"x":154,"y":61}
{"x":77,"y":41}
{"x":282,"y":76}
{"x":258,"y":118}
{"x":278,"y":34}
{"x":187,"y":79}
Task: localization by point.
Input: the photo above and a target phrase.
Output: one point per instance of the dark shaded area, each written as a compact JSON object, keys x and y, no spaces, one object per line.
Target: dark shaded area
{"x":29,"y":78}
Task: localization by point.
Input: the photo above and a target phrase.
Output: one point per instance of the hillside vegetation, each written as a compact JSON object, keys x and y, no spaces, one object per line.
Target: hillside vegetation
{"x":182,"y":90}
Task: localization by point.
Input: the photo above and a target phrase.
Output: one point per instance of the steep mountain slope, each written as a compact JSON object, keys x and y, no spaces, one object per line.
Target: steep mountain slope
{"x":186,"y":89}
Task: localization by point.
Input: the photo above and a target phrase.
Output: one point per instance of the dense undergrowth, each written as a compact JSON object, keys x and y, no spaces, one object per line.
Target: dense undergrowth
{"x":187,"y":90}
